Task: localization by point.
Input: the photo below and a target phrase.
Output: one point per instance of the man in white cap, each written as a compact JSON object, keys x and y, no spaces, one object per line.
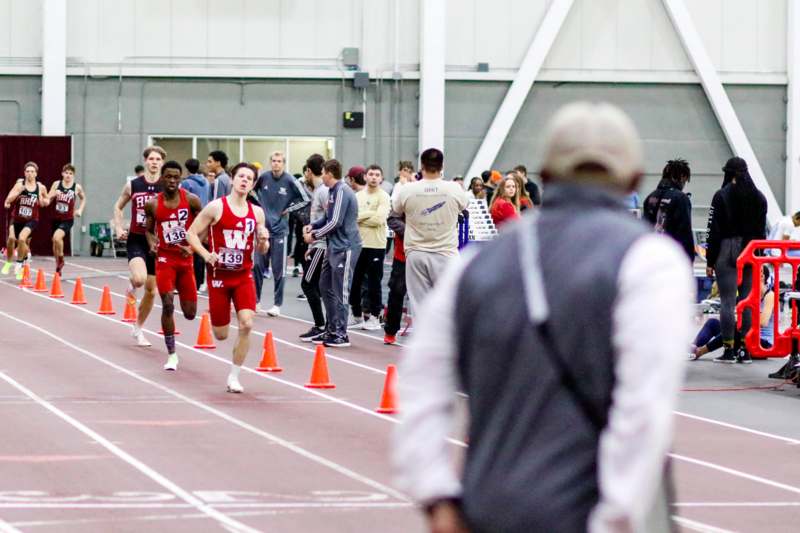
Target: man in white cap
{"x":571,"y":393}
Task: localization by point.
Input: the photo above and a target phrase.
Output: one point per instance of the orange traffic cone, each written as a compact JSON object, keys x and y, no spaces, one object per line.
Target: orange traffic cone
{"x":55,"y":288}
{"x":105,"y":303}
{"x":78,"y":297}
{"x":204,"y":338}
{"x":269,"y":360}
{"x":129,"y":315}
{"x":319,"y":372}
{"x":41,"y":285}
{"x":25,"y":283}
{"x":388,"y":397}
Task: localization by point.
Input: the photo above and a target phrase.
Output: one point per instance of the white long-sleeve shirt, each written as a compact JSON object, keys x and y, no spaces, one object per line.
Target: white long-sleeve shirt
{"x":651,"y":334}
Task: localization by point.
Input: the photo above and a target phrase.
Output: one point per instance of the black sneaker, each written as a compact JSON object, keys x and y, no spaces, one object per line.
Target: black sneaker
{"x":337,"y":342}
{"x":302,"y":297}
{"x":322,"y":338}
{"x":728,"y":356}
{"x":743,"y":357}
{"x":312,"y":334}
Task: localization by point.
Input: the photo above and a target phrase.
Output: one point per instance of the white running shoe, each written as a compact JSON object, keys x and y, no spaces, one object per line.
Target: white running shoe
{"x":203,"y":288}
{"x":356,"y":322}
{"x":371,"y":324}
{"x":234,"y":385}
{"x":274,"y":311}
{"x":137,"y":334}
{"x":172,"y":362}
{"x":260,"y":310}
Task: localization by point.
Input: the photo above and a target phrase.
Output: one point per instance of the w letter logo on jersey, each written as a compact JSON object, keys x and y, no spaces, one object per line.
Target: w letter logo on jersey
{"x":235,"y":238}
{"x":217,"y":283}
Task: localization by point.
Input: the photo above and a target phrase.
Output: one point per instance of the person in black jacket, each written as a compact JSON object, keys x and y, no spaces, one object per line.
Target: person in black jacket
{"x":669,"y":209}
{"x":738,"y":215}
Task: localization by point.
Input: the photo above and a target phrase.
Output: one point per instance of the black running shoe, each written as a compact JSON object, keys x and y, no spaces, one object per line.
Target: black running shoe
{"x":322,"y":338}
{"x":743,"y":357}
{"x":728,"y":356}
{"x":312,"y":334}
{"x":302,"y":297}
{"x":337,"y":342}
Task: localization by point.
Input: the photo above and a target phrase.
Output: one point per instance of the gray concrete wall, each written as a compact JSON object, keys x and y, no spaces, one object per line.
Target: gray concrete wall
{"x":110,"y":123}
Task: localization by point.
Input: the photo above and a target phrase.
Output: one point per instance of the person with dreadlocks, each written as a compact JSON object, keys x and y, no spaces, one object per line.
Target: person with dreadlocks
{"x":739,"y":215}
{"x":669,"y":209}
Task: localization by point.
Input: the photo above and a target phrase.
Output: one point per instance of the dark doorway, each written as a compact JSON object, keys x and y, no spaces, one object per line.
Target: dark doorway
{"x":51,"y":154}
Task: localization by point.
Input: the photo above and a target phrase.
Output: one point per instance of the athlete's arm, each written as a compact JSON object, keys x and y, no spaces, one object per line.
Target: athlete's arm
{"x":53,"y":190}
{"x":262,"y":234}
{"x":208,"y":216}
{"x":44,"y":198}
{"x":13,"y":194}
{"x":194,"y":203}
{"x":150,"y":217}
{"x":82,"y":196}
{"x":122,"y":201}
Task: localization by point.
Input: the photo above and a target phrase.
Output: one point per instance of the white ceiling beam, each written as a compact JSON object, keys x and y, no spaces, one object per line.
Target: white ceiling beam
{"x":793,"y":108}
{"x":54,"y":67}
{"x":520,"y":87}
{"x":720,"y":103}
{"x":432,"y":28}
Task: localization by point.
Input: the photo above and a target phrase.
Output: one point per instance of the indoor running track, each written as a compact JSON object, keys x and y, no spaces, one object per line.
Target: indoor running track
{"x":97,"y":437}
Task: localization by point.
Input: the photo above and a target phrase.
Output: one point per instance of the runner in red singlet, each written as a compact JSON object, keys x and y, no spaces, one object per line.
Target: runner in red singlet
{"x":141,"y":263}
{"x":169,"y":214}
{"x":235,"y":226}
{"x":26,"y":196}
{"x":62,"y":195}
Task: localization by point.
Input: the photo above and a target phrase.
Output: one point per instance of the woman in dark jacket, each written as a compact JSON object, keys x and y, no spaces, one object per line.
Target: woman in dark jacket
{"x":738,"y":215}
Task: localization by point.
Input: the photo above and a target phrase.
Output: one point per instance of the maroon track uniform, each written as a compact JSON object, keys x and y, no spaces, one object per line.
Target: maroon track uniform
{"x":26,"y":210}
{"x":142,"y":192}
{"x":64,"y":207}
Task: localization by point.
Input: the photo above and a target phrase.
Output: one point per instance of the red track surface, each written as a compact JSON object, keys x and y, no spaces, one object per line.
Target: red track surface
{"x":97,"y":437}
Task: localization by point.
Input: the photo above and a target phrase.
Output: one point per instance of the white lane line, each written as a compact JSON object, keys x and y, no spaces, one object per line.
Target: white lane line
{"x":125,"y":456}
{"x":5,"y":527}
{"x":693,"y":525}
{"x":297,"y":319}
{"x":256,"y":332}
{"x":737,"y":473}
{"x":228,"y":418}
{"x":736,"y":504}
{"x":740,"y":428}
{"x":254,"y":505}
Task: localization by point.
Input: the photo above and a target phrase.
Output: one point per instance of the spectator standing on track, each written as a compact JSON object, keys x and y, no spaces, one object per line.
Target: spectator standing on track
{"x":505,"y":203}
{"x":530,"y":186}
{"x":339,"y":227}
{"x":279,"y":194}
{"x":431,"y":207}
{"x":315,"y":254}
{"x":26,"y":197}
{"x":235,"y":230}
{"x":397,"y":280}
{"x":739,"y":215}
{"x":217,"y":162}
{"x":297,"y":221}
{"x":669,"y":209}
{"x":532,"y":377}
{"x":373,"y":209}
{"x":197,"y":184}
{"x":62,"y":195}
{"x":141,"y":261}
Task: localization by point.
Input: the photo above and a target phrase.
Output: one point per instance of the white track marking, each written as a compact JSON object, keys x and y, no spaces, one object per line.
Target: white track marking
{"x":253,"y":505}
{"x":736,"y":504}
{"x":737,"y":473}
{"x":216,"y":412}
{"x":693,"y":525}
{"x":125,"y":456}
{"x":5,"y":527}
{"x":740,"y":428}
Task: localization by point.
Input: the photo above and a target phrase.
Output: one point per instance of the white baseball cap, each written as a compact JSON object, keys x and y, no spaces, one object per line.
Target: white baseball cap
{"x":598,"y":133}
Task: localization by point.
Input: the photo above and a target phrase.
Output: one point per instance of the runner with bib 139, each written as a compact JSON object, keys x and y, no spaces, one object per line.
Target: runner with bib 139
{"x":234,"y":226}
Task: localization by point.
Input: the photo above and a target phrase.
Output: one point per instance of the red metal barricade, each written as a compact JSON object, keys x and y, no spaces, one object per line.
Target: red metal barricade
{"x":774,"y":253}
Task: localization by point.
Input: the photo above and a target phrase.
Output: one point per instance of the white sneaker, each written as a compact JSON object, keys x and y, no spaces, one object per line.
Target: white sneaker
{"x":371,"y":324}
{"x":274,"y":311}
{"x":356,"y":322}
{"x":260,"y":310}
{"x":234,"y":385}
{"x":137,"y":334}
{"x":172,"y":362}
{"x":203,"y":288}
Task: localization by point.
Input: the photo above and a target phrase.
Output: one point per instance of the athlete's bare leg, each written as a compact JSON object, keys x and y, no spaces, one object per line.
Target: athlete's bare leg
{"x":138,"y":270}
{"x":58,"y":243}
{"x":240,"y":349}
{"x":22,"y":243}
{"x":189,"y":308}
{"x":149,"y":297}
{"x":221,"y":332}
{"x":168,"y":327}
